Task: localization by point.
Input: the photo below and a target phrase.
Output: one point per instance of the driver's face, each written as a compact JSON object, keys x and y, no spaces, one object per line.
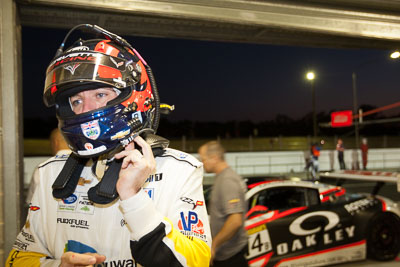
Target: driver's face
{"x":91,"y":99}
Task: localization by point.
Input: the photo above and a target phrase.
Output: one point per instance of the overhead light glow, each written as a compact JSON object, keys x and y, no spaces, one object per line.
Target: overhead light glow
{"x":395,"y":54}
{"x":310,"y":75}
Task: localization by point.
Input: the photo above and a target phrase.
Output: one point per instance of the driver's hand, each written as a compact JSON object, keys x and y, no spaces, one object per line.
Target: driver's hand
{"x":136,"y":167}
{"x":72,"y":259}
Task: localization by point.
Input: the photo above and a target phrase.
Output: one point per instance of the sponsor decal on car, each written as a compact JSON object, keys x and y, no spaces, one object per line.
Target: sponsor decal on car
{"x":359,"y":205}
{"x":307,"y":237}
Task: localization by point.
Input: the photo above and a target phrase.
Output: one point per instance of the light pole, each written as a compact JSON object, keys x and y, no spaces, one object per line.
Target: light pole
{"x":311,"y":76}
{"x":393,"y":55}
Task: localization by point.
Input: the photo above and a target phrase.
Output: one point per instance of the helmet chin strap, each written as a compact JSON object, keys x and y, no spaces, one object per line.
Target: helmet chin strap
{"x":105,"y":191}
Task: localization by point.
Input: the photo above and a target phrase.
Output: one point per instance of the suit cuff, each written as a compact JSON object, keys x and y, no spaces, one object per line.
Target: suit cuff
{"x":140,"y":214}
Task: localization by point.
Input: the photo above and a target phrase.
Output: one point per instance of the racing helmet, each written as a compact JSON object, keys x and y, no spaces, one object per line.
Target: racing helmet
{"x":102,"y":63}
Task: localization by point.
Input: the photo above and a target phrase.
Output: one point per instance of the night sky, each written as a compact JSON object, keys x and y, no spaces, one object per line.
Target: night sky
{"x":216,"y":81}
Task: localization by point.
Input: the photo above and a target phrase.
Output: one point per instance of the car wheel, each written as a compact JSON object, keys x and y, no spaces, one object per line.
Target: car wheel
{"x":383,"y":242}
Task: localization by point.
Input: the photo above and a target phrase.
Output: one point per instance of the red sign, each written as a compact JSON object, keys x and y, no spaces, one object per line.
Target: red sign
{"x":342,"y":118}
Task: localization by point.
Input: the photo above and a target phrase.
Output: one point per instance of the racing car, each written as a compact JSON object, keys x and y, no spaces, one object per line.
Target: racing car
{"x":301,"y":223}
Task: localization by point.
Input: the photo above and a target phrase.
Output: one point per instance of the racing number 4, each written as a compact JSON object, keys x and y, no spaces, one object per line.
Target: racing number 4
{"x":259,"y":241}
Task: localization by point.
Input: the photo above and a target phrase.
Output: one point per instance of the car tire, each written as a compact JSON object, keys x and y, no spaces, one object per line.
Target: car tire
{"x":383,"y":237}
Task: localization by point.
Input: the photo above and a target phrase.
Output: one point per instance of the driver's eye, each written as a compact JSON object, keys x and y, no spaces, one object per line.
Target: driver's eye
{"x":76,"y":102}
{"x":101,"y":95}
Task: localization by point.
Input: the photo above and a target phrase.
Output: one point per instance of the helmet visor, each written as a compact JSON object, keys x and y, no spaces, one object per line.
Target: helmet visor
{"x":79,"y":68}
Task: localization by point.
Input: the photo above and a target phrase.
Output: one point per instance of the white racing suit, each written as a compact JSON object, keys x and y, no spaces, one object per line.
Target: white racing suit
{"x":165,"y":224}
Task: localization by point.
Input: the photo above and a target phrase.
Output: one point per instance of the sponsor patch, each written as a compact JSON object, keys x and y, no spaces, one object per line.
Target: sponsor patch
{"x":28,"y":237}
{"x":72,"y":68}
{"x":79,"y":203}
{"x":74,"y":223}
{"x":150,"y":192}
{"x":18,"y":244}
{"x":70,"y":200}
{"x":120,"y":134}
{"x":117,"y":64}
{"x":34,"y":208}
{"x":154,"y":177}
{"x":192,"y":202}
{"x":191,"y":222}
{"x":91,"y":129}
{"x":191,"y":226}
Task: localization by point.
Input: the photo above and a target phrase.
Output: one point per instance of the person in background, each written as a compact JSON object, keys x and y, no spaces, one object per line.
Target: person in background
{"x":340,"y":150}
{"x":122,"y":197}
{"x":364,"y":152}
{"x":227,"y":209}
{"x":59,"y":149}
{"x":315,"y":152}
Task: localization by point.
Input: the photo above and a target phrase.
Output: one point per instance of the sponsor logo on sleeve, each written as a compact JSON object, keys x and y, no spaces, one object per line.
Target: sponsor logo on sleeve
{"x":18,"y":244}
{"x":192,"y":202}
{"x":34,"y":208}
{"x":28,"y":237}
{"x":150,"y":192}
{"x":154,"y":178}
{"x":191,"y":226}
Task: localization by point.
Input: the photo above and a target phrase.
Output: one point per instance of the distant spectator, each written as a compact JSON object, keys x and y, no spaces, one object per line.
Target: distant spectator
{"x":340,"y":150}
{"x":307,"y":159}
{"x":364,"y":152}
{"x":315,"y":152}
{"x":58,"y":148}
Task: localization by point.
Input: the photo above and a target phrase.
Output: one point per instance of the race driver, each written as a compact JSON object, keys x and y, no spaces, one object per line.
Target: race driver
{"x":122,"y":198}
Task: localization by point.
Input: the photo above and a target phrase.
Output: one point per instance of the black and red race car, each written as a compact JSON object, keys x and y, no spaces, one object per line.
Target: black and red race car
{"x":300,"y":223}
